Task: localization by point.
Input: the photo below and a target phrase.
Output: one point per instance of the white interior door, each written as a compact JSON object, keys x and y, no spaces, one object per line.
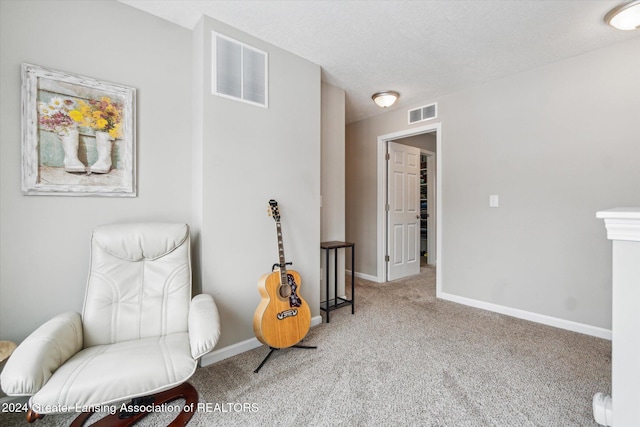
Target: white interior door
{"x":403,"y":215}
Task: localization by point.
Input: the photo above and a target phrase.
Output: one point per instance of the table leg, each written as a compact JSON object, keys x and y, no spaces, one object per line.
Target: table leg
{"x":327,"y":282}
{"x":335,"y":275}
{"x":353,"y":275}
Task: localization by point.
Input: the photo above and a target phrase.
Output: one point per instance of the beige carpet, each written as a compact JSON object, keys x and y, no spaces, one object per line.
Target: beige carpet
{"x":406,"y":359}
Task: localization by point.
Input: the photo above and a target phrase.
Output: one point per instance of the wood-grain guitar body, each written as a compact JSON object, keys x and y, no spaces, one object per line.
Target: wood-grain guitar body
{"x":281,"y":321}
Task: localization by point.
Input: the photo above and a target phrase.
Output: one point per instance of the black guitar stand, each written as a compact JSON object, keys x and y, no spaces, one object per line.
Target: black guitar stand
{"x":272,"y":349}
{"x":277,"y":264}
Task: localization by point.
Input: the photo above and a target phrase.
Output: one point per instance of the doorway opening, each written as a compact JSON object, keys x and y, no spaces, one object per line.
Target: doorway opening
{"x":433,"y":206}
{"x":427,"y":203}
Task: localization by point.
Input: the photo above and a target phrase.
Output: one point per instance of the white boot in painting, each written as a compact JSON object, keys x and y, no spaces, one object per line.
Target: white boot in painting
{"x":70,"y":147}
{"x":103,"y":145}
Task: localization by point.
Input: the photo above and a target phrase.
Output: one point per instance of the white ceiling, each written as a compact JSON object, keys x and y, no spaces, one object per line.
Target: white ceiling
{"x":422,"y":49}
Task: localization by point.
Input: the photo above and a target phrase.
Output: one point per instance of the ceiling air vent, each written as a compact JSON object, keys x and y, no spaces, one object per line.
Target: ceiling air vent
{"x":421,"y":114}
{"x":239,"y":71}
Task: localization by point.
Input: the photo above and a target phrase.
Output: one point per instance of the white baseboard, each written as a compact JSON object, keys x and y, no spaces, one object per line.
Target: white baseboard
{"x":533,"y":317}
{"x":229,"y":351}
{"x":241,"y":347}
{"x":367,"y":277}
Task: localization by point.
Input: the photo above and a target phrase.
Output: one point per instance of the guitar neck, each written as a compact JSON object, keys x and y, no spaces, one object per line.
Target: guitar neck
{"x":283,"y":266}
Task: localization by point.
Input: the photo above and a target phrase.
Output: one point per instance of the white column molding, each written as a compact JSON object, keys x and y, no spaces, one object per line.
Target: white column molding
{"x":622,"y":223}
{"x":623,"y":407}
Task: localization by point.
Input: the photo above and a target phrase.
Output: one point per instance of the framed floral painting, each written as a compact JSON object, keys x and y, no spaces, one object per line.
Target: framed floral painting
{"x":78,"y":135}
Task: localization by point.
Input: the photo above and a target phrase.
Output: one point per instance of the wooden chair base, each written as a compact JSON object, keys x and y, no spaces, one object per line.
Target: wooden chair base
{"x":184,"y":391}
{"x":32,"y":416}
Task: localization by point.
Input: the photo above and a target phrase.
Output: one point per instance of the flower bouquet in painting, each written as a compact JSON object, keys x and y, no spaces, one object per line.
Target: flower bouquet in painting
{"x":53,"y":116}
{"x":105,"y":117}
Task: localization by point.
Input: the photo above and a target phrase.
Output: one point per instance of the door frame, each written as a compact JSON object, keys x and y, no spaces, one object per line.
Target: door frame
{"x":382,"y":197}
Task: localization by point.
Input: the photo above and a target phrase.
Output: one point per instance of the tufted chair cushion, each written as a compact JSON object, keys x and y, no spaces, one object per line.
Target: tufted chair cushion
{"x":134,"y":368}
{"x":139,"y":284}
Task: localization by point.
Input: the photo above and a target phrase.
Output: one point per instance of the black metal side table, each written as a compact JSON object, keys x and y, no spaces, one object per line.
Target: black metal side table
{"x":337,"y":301}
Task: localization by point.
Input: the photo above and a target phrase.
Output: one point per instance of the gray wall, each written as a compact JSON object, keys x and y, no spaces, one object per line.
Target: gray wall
{"x":425,"y":141}
{"x":557,"y":144}
{"x":44,"y":240}
{"x":332,"y":188}
{"x":248,"y":155}
{"x":202,"y":159}
{"x":333,"y":118}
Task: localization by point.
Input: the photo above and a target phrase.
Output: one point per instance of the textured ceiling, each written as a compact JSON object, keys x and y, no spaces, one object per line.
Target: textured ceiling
{"x":422,"y":49}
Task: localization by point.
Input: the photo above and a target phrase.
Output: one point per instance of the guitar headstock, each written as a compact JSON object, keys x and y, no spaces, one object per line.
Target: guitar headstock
{"x":273,"y":210}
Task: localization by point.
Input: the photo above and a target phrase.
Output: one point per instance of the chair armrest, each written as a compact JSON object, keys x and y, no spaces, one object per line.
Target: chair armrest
{"x":204,"y":325}
{"x":41,"y":354}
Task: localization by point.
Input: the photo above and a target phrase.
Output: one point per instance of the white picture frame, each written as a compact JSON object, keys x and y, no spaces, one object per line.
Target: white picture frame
{"x":78,"y":135}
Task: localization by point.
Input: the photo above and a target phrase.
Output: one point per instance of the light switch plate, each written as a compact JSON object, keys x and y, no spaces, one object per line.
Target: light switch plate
{"x":493,"y":201}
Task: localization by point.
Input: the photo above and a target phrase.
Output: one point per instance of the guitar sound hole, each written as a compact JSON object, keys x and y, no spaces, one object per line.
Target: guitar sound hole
{"x":285,"y":291}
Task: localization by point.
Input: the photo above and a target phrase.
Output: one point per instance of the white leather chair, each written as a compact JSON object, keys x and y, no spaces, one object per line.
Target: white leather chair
{"x":140,"y":332}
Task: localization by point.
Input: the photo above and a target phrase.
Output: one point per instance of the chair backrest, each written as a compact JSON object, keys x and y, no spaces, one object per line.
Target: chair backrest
{"x":139,"y":282}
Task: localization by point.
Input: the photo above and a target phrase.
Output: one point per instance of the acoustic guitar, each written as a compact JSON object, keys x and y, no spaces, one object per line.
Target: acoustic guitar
{"x":282,"y":318}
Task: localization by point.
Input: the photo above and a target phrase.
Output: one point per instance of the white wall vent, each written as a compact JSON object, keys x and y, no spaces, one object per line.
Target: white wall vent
{"x":239,"y":71}
{"x":421,"y":114}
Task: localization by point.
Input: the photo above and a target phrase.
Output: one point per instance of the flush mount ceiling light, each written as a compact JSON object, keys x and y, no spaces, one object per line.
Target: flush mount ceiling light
{"x":385,"y":99}
{"x":625,"y":16}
